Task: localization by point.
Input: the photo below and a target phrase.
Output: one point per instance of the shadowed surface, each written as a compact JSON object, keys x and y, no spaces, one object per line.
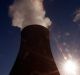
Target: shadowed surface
{"x":34,"y":57}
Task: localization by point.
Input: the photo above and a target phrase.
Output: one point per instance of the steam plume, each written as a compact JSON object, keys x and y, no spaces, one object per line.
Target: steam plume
{"x":27,"y":12}
{"x":77,"y":16}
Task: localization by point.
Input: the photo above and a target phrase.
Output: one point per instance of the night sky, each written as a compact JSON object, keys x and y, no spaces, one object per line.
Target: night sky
{"x":65,"y":33}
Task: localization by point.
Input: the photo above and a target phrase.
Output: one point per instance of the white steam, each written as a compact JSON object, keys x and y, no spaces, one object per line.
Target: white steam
{"x":77,"y":16}
{"x":28,"y":12}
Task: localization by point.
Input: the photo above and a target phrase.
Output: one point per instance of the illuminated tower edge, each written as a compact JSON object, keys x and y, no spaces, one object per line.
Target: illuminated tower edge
{"x":34,"y":57}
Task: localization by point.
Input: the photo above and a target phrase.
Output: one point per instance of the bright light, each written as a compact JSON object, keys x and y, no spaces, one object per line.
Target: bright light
{"x":70,"y":67}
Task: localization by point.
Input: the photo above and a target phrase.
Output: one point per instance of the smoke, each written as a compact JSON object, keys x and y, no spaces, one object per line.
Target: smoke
{"x":27,"y":12}
{"x":77,"y":16}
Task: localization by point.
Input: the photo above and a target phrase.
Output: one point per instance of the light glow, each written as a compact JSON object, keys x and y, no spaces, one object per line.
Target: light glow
{"x":70,"y":67}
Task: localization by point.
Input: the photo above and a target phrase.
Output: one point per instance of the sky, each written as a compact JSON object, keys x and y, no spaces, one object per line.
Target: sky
{"x":65,"y":31}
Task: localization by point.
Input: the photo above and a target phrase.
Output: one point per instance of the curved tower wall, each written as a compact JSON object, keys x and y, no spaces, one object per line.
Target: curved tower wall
{"x":34,"y":57}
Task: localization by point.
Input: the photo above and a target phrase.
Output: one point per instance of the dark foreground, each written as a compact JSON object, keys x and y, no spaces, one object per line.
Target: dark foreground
{"x":34,"y":57}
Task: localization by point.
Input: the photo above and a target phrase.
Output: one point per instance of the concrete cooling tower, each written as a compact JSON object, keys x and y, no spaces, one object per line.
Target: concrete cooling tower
{"x":34,"y":57}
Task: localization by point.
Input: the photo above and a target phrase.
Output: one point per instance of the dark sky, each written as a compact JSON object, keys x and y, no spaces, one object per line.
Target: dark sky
{"x":61,"y":13}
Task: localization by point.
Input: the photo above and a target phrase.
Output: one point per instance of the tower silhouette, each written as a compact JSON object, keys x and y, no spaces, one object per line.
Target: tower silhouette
{"x":34,"y":57}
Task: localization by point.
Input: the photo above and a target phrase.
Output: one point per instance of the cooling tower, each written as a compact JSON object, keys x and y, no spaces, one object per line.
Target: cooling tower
{"x":34,"y":57}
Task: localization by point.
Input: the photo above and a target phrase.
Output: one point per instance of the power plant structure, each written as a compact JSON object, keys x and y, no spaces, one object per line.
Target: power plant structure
{"x":34,"y":57}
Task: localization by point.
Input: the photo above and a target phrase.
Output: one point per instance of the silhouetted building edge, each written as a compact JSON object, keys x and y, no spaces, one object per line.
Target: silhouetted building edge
{"x":34,"y":57}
